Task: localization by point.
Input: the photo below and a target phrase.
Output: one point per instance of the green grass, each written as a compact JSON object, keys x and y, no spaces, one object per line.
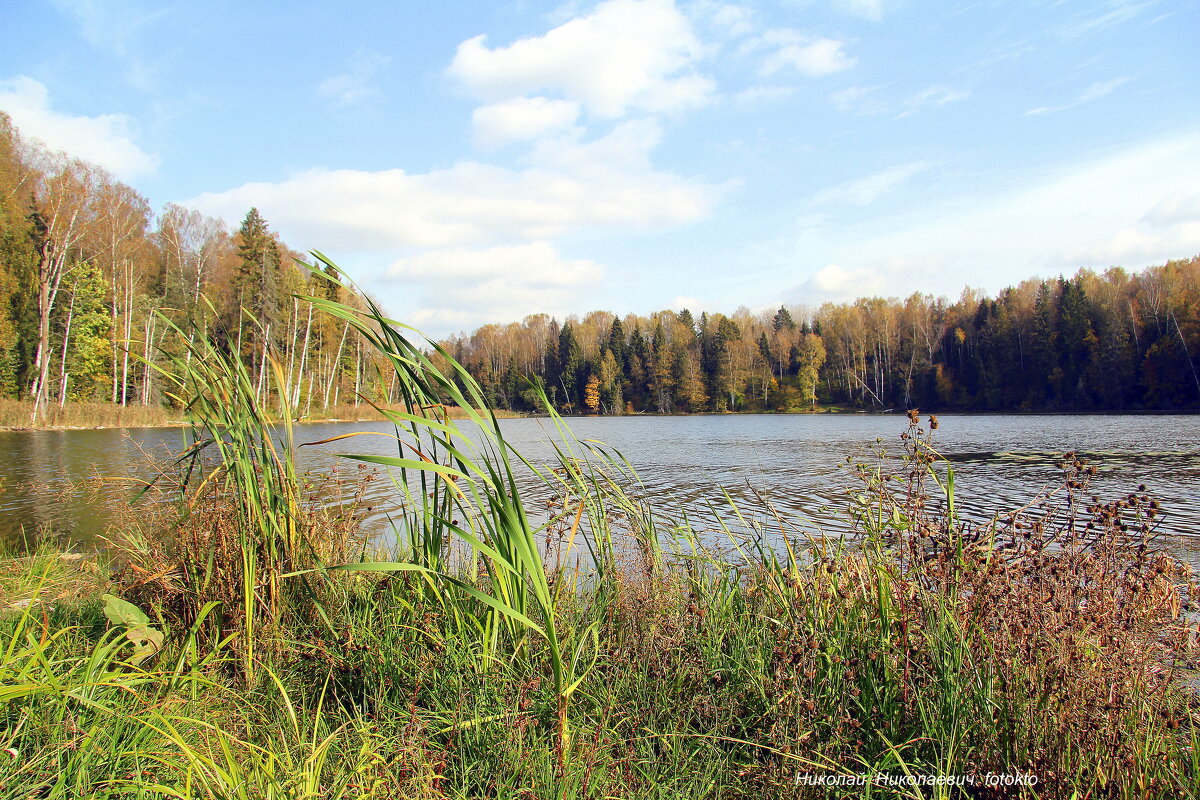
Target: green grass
{"x":606,"y":651}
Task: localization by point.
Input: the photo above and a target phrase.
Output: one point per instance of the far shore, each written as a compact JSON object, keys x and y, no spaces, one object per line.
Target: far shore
{"x":104,"y":416}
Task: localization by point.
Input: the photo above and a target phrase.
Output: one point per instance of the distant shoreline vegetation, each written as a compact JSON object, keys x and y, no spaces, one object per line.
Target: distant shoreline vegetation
{"x":1097,"y":342}
{"x":14,"y":415}
{"x":91,"y":282}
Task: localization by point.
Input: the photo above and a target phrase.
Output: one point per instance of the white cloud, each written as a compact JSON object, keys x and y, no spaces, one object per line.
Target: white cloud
{"x":355,"y":85}
{"x":504,"y":282}
{"x":521,"y":119}
{"x":868,"y":189}
{"x":626,"y":55}
{"x":835,"y":282}
{"x":808,"y":55}
{"x":569,"y":186}
{"x":105,"y":140}
{"x":1096,"y":91}
{"x":627,"y":148}
{"x":475,"y":238}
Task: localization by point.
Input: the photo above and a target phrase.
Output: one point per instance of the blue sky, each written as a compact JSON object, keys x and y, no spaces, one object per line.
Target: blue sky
{"x":476,"y":162}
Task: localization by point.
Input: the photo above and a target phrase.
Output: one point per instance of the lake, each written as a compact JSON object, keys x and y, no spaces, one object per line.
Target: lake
{"x":74,"y":483}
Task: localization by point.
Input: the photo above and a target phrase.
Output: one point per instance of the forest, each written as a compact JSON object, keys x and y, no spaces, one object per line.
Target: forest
{"x":1111,"y":341}
{"x":93,"y":282}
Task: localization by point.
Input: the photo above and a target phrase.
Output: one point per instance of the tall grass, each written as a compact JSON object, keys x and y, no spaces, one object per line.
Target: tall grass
{"x":16,"y":415}
{"x":218,"y":394}
{"x":477,"y":483}
{"x":595,"y":648}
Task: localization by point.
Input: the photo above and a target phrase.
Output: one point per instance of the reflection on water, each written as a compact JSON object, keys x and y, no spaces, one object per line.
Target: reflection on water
{"x":75,"y":483}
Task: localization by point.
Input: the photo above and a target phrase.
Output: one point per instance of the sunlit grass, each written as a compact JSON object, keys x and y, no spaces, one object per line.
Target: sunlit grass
{"x":16,"y":415}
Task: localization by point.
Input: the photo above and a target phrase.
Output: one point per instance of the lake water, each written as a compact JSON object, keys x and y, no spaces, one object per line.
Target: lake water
{"x":75,"y":483}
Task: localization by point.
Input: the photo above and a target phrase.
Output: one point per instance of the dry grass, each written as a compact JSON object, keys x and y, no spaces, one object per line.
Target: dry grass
{"x":18,"y":415}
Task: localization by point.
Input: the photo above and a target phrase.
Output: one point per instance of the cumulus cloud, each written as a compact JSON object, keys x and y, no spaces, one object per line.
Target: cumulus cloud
{"x":626,"y":148}
{"x":521,"y":119}
{"x":625,"y":55}
{"x":355,"y":84}
{"x":835,"y":282}
{"x":476,"y":238}
{"x":570,"y":186}
{"x":687,"y":301}
{"x":811,"y":56}
{"x":868,"y":189}
{"x":482,"y":233}
{"x":106,"y":139}
{"x":474,"y":286}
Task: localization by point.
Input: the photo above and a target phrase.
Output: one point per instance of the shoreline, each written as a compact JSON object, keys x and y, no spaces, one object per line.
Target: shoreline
{"x":178,"y":423}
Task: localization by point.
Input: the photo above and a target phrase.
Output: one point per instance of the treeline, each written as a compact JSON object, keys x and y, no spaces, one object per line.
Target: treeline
{"x":92,"y":283}
{"x":667,"y":362}
{"x":1097,"y":341}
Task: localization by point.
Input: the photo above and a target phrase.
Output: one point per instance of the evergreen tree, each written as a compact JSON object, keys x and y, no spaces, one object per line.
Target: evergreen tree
{"x":256,"y":282}
{"x":570,"y":365}
{"x":685,"y":319}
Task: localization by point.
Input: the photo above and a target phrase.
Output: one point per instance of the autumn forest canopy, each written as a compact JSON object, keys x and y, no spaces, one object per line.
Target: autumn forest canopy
{"x":94,"y":285}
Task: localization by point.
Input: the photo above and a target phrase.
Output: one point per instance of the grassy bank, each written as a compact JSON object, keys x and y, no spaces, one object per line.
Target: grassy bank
{"x":17,"y":415}
{"x":252,"y":645}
